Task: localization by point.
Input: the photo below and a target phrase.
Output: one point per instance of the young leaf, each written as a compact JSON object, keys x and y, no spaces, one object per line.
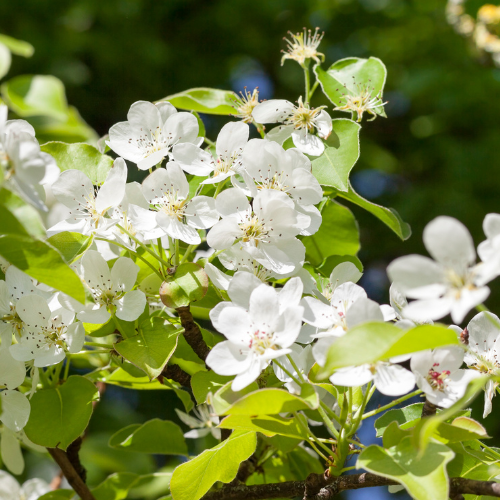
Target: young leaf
{"x":191,"y":480}
{"x":42,"y":262}
{"x":333,"y":167}
{"x":122,"y":378}
{"x":351,"y":76}
{"x":17,"y":47}
{"x":70,"y":245}
{"x":388,"y":216}
{"x":58,"y":416}
{"x":204,"y":100}
{"x":28,"y":218}
{"x":337,"y":235}
{"x":155,"y":436}
{"x":116,"y":486}
{"x":405,"y":417}
{"x":269,"y":425}
{"x":424,"y":477}
{"x":83,"y":157}
{"x":203,"y":382}
{"x":151,"y":348}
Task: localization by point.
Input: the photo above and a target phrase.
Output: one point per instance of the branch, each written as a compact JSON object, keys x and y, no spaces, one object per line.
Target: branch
{"x":176,"y":373}
{"x":429,"y":409}
{"x":322,"y":487}
{"x":192,"y":333}
{"x":73,"y":477}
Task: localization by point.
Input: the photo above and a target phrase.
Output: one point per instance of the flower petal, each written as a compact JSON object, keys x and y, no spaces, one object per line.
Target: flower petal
{"x":15,"y":410}
{"x":131,"y":305}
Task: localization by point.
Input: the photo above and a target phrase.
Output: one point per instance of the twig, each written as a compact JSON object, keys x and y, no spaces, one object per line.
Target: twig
{"x":175,"y":372}
{"x":324,"y":487}
{"x":192,"y":333}
{"x":429,"y":409}
{"x":73,"y":456}
{"x":67,"y":468}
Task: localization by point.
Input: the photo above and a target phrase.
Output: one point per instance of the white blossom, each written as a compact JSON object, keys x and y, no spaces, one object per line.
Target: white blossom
{"x":269,"y":166}
{"x":229,"y":147}
{"x":483,"y":352}
{"x":15,"y":410}
{"x":438,"y":374}
{"x":32,"y":489}
{"x":303,"y":359}
{"x":150,"y":132}
{"x":177,"y":214}
{"x":46,"y":336}
{"x":89,"y":206}
{"x":303,"y":46}
{"x":258,"y":335}
{"x":449,"y":283}
{"x":266,"y":229}
{"x":298,"y":122}
{"x":111,"y":290}
{"x":205,"y":422}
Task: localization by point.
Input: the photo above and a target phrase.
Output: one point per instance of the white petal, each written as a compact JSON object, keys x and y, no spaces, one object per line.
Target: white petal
{"x":467,"y":300}
{"x":73,"y":188}
{"x":124,"y":274}
{"x":354,"y":376}
{"x":12,"y":456}
{"x":344,"y":272}
{"x":224,"y":233}
{"x":217,"y":277}
{"x":318,"y":314}
{"x":491,"y":225}
{"x":9,"y":487}
{"x":248,"y":376}
{"x":264,"y":307}
{"x":166,"y":110}
{"x":75,"y":337}
{"x":95,"y":316}
{"x":231,"y":201}
{"x":363,"y":311}
{"x":181,"y":127}
{"x":280,"y":134}
{"x":241,"y":287}
{"x":113,"y":189}
{"x":201,"y":212}
{"x":236,"y":324}
{"x":96,"y":272}
{"x":307,"y":143}
{"x":34,"y":311}
{"x":34,"y":488}
{"x":449,"y":242}
{"x":305,"y":189}
{"x":144,"y":115}
{"x":232,"y":138}
{"x":289,"y":326}
{"x":290,"y":294}
{"x":178,"y":230}
{"x":425,"y":310}
{"x":323,"y":124}
{"x":131,"y":306}
{"x":393,"y":380}
{"x":18,"y":283}
{"x":193,"y":160}
{"x":15,"y":410}
{"x":226,"y":359}
{"x":12,"y":372}
{"x":273,"y":111}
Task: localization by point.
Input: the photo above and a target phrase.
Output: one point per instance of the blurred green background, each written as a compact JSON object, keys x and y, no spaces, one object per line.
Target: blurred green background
{"x":436,"y":154}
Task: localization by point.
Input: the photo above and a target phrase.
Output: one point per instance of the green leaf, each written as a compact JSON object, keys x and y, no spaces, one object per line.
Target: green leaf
{"x":121,"y":378}
{"x":5,"y":60}
{"x":193,"y":479}
{"x":151,"y":348}
{"x":388,"y":216}
{"x":42,"y":262}
{"x":188,"y":284}
{"x":331,"y":262}
{"x":378,"y":341}
{"x":393,"y":435}
{"x":81,"y":157}
{"x":203,"y":382}
{"x":424,"y":477}
{"x":36,"y":95}
{"x":205,"y":100}
{"x":70,"y":245}
{"x":352,"y":75}
{"x":337,"y":235}
{"x":17,"y":47}
{"x":28,"y":218}
{"x":273,"y":401}
{"x":116,"y":486}
{"x":269,"y":425}
{"x":156,"y":436}
{"x":58,"y":495}
{"x":333,"y":167}
{"x":406,"y":418}
{"x":461,"y":429}
{"x":58,"y":416}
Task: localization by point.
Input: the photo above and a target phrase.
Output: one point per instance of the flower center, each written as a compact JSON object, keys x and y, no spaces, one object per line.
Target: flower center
{"x":276,"y":182}
{"x":302,"y":46}
{"x":151,"y":141}
{"x":172,"y":205}
{"x":224,"y":166}
{"x":303,"y":117}
{"x":260,"y":341}
{"x":246,"y":104}
{"x":438,"y":380}
{"x":361,"y":101}
{"x":253,"y":230}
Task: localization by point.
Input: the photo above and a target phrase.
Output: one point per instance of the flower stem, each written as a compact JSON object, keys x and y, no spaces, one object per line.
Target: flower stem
{"x":118,"y":326}
{"x":66,"y":368}
{"x":96,"y":344}
{"x":307,"y":78}
{"x":287,"y":372}
{"x":391,"y":405}
{"x":328,"y":422}
{"x":219,"y":187}
{"x":314,"y":87}
{"x":295,"y":367}
{"x":209,"y":142}
{"x":188,"y":252}
{"x":162,"y":255}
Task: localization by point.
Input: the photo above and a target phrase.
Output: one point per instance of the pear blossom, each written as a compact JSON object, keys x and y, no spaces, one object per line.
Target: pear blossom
{"x":266,"y":229}
{"x":256,"y":336}
{"x":439,"y":375}
{"x":25,"y":167}
{"x":390,"y":379}
{"x":111,"y":290}
{"x":46,"y":337}
{"x":360,"y":101}
{"x":483,"y":351}
{"x":150,"y":132}
{"x":205,"y":422}
{"x":489,"y":250}
{"x":451,"y":283}
{"x":180,"y":217}
{"x":88,"y":208}
{"x":303,"y":46}
{"x":32,"y":489}
{"x":298,"y":122}
{"x":245,"y":103}
{"x":229,"y":147}
{"x":271,"y":167}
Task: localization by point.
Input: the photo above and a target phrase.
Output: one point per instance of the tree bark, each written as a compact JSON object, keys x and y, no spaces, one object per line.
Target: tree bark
{"x":192,"y":333}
